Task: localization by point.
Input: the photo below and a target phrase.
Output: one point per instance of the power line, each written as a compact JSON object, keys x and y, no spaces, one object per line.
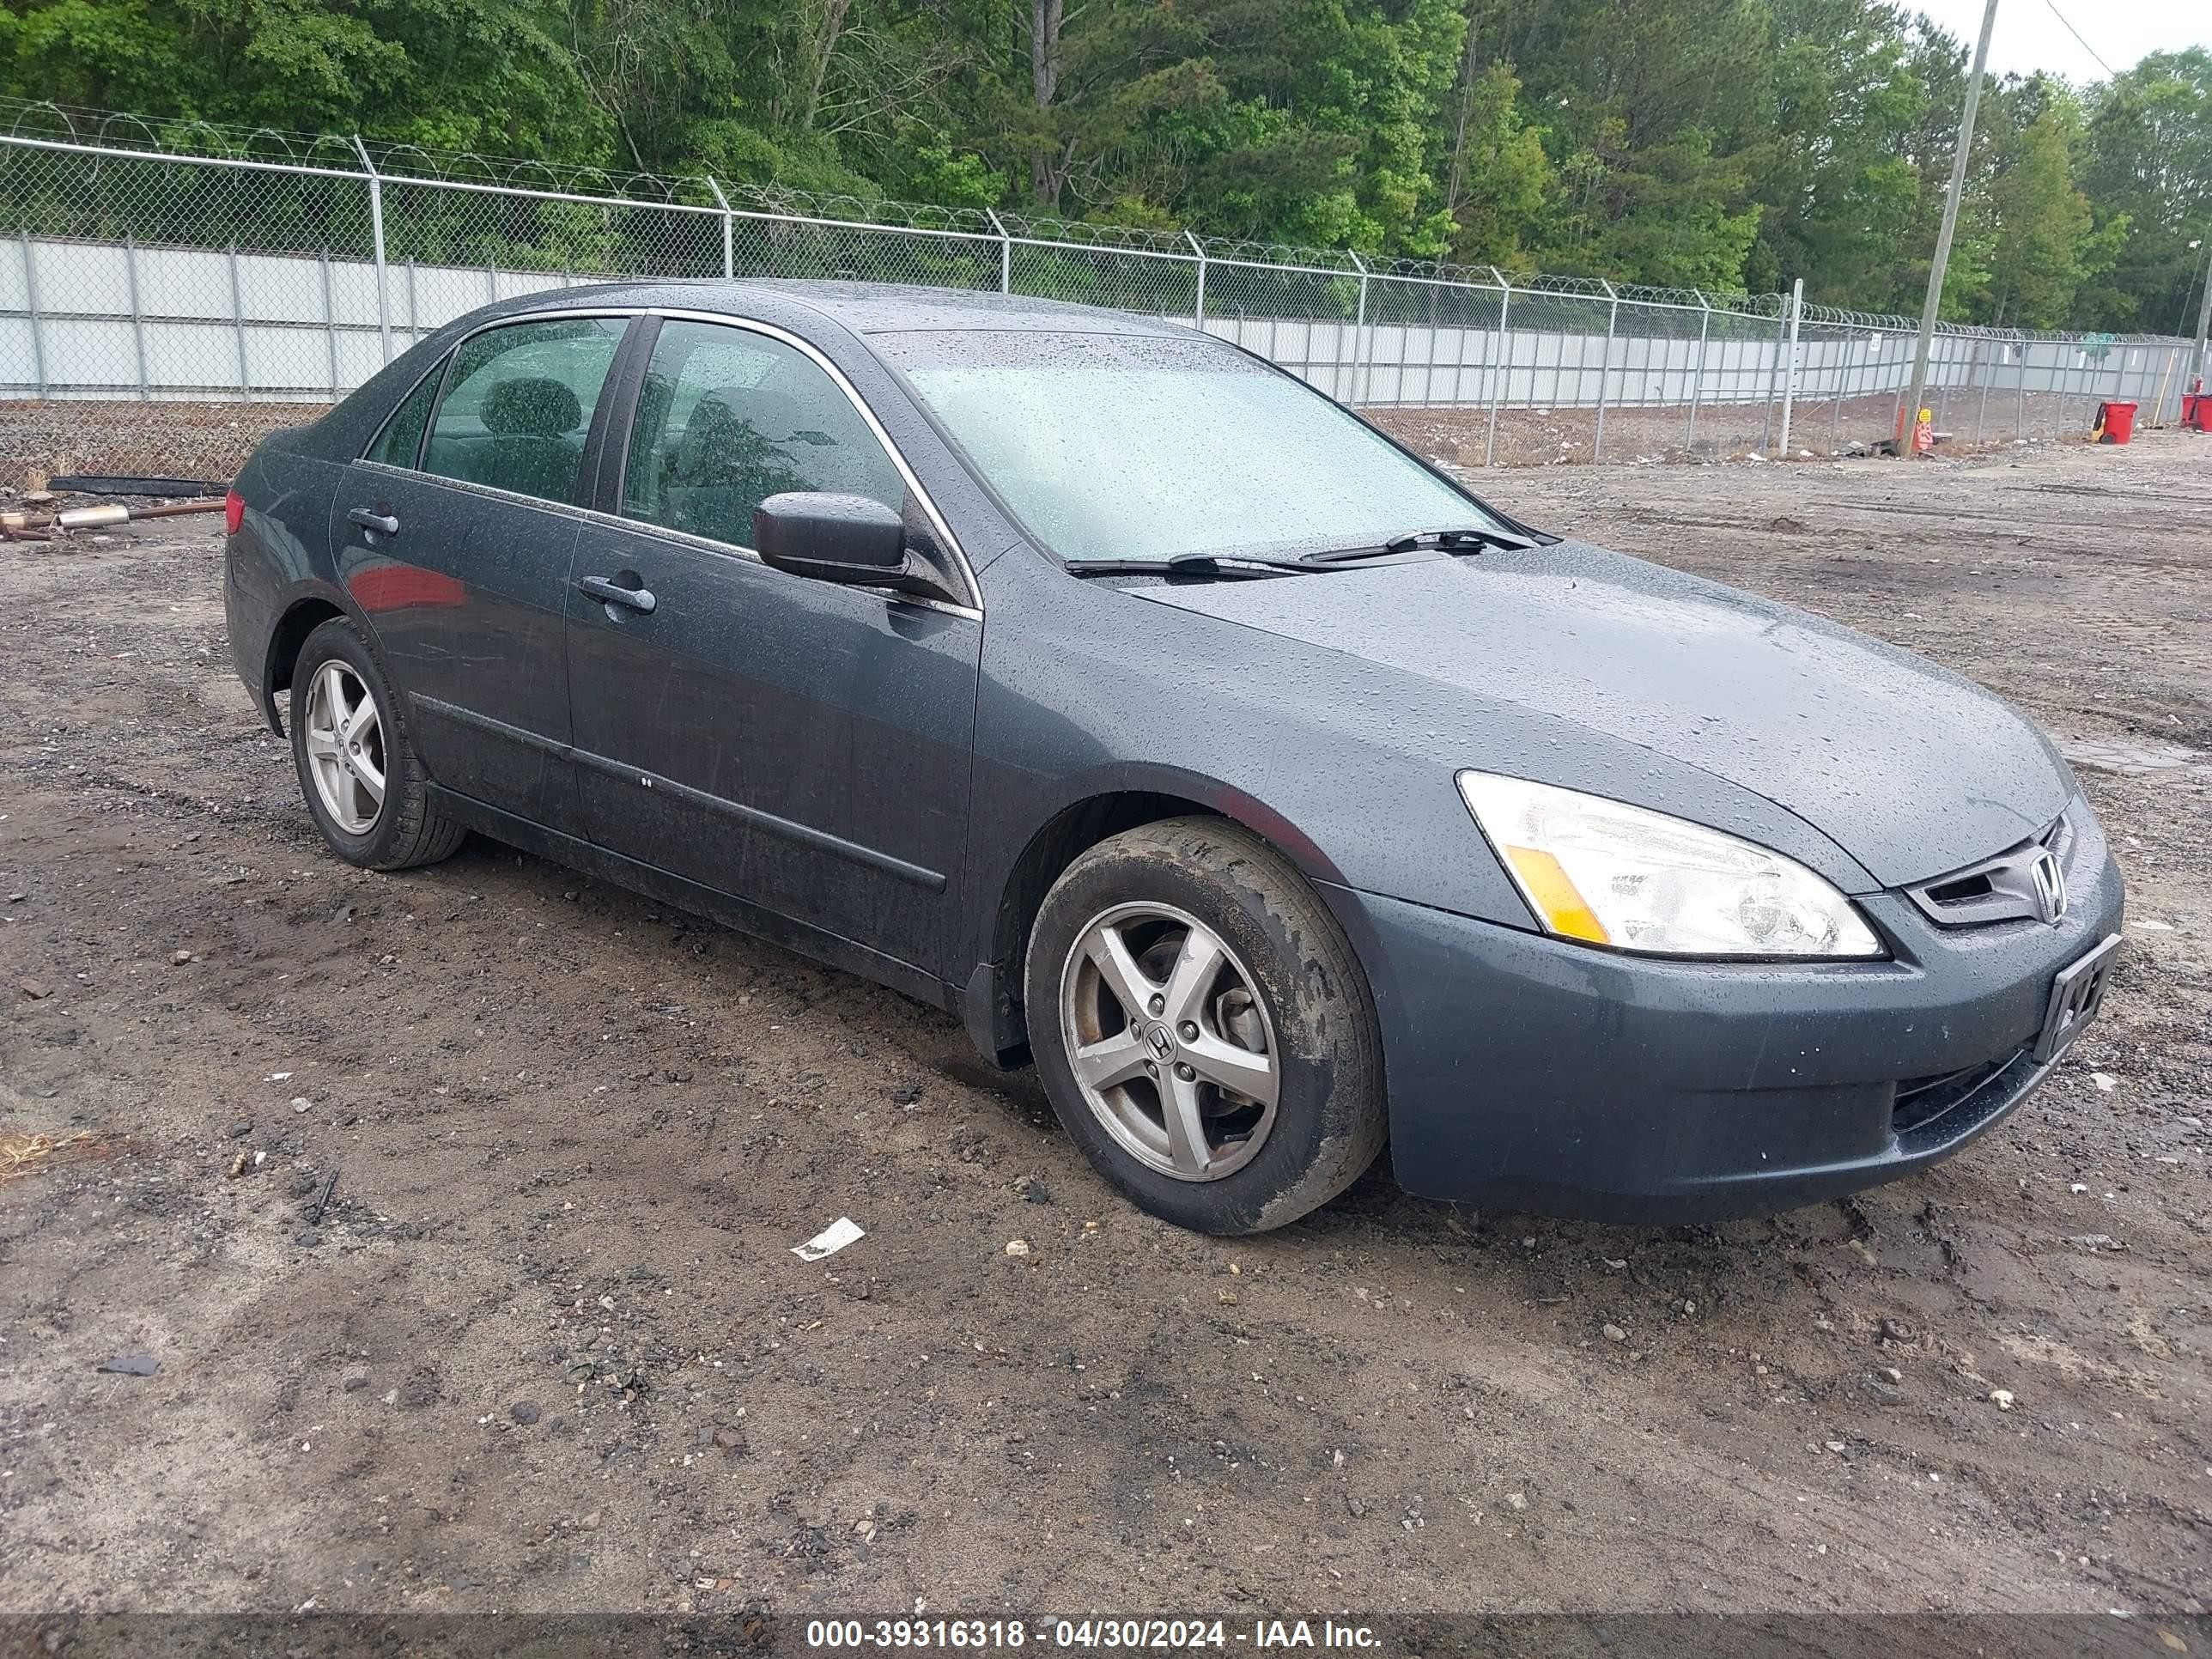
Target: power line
{"x":2077,"y":33}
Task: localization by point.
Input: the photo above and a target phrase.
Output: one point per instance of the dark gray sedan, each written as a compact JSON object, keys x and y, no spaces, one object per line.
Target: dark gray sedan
{"x":1094,"y":680}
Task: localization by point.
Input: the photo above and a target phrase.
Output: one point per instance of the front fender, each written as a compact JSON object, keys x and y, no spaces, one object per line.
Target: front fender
{"x":1235,"y":801}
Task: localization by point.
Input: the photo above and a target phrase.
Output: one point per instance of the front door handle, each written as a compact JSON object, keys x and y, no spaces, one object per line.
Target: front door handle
{"x":639,"y":599}
{"x":370,"y":518}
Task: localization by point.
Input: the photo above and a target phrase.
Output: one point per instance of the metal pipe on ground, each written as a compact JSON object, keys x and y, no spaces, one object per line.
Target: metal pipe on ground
{"x":91,"y":518}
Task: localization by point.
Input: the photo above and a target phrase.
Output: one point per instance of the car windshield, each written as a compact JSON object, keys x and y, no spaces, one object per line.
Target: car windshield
{"x":1143,"y":448}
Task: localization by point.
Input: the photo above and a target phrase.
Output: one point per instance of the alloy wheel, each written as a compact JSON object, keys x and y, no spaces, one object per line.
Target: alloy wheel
{"x":345,"y":747}
{"x":1169,"y":1040}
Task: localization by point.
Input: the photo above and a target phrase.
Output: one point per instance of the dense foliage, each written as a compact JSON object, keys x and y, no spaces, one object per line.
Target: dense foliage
{"x":1719,"y":143}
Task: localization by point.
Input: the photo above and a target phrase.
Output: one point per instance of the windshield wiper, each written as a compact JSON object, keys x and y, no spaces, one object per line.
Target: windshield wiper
{"x":1222,"y":565}
{"x":1458,"y":536}
{"x":1461,"y":538}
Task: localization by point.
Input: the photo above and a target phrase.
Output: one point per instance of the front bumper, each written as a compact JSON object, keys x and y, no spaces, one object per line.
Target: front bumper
{"x":1528,"y":1073}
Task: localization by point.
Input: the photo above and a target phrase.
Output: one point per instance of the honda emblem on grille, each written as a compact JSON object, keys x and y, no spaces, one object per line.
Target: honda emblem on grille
{"x":2049,"y":884}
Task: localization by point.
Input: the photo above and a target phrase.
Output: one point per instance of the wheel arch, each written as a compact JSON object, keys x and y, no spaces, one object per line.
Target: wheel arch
{"x":304,"y":611}
{"x":991,"y":1003}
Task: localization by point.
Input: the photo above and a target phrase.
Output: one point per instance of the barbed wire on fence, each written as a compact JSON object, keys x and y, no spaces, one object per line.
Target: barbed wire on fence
{"x":152,"y":261}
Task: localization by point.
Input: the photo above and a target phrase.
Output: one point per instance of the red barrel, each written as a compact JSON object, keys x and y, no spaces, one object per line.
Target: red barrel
{"x":2116,"y":423}
{"x":2196,"y":411}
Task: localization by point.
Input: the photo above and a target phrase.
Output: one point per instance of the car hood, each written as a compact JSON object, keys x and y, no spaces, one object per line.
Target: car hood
{"x":1908,"y":768}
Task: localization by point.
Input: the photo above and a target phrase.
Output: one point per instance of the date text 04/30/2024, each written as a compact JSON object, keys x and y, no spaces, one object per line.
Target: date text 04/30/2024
{"x":1162,"y":1634}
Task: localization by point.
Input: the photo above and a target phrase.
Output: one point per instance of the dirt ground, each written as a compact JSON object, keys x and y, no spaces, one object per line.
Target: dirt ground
{"x":547,"y":1347}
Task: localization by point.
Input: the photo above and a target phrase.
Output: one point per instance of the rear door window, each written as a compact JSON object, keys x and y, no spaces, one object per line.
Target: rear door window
{"x":518,"y":403}
{"x":726,"y":418}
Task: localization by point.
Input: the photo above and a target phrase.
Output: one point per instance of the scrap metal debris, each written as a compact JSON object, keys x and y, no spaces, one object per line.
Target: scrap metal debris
{"x":31,"y":526}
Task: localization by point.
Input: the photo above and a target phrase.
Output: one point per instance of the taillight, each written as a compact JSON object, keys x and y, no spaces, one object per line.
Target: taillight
{"x":234,"y":512}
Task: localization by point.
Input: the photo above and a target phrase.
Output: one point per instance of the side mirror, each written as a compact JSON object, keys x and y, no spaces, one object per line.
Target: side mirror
{"x":831,"y":538}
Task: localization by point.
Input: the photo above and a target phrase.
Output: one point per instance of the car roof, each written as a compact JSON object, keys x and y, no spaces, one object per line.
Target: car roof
{"x":868,"y":308}
{"x":805,"y":308}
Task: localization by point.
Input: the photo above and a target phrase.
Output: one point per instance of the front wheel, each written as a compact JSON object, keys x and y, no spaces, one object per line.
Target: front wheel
{"x":1202,"y":1027}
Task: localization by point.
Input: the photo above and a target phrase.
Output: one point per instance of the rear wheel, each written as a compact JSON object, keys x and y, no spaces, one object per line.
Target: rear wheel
{"x":362,"y":783}
{"x":1202,"y":1027}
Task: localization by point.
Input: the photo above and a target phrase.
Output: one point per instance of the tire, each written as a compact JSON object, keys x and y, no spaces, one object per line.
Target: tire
{"x":406,"y":829}
{"x":1287,"y":1012}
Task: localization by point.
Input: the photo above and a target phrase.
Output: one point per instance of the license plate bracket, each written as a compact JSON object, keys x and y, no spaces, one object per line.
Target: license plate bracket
{"x":2076,"y":994}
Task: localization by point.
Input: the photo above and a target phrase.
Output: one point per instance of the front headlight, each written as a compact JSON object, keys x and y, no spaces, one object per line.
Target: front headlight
{"x":1606,"y":872}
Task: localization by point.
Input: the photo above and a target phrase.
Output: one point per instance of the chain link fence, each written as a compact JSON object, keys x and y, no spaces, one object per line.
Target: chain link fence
{"x":170,"y":292}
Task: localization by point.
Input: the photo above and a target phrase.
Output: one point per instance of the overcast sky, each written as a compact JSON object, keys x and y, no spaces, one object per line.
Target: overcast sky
{"x":2030,"y":37}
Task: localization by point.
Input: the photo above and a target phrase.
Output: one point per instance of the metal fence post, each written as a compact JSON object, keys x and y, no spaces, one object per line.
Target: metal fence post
{"x":1982,"y":409}
{"x":1358,"y":322}
{"x":376,"y":240}
{"x":31,"y":306}
{"x":1459,"y":361}
{"x":729,"y":223}
{"x":1198,"y":306}
{"x":1790,"y":368}
{"x":238,"y":325}
{"x":1698,"y":375}
{"x":1500,"y":365}
{"x":1005,"y":253}
{"x":330,"y":323}
{"x":1605,"y":367}
{"x":138,"y":315}
{"x":1773,"y":387}
{"x":1841,"y":379}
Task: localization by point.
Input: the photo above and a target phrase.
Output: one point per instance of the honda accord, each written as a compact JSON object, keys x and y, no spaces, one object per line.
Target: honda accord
{"x":1098,"y":681}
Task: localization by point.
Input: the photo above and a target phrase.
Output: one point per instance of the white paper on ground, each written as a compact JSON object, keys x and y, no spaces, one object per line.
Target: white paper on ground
{"x":830,"y":1240}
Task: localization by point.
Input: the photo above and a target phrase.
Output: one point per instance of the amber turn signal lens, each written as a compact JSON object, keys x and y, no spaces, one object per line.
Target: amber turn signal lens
{"x":1565,"y":912}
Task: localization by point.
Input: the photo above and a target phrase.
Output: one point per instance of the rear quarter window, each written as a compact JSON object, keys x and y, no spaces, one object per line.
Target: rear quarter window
{"x":517,"y":404}
{"x":399,"y":443}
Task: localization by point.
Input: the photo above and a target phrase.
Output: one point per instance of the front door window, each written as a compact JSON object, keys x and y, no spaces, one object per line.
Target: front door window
{"x":726,"y":418}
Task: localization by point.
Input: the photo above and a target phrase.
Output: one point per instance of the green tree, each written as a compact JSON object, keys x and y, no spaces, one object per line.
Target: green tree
{"x":2043,"y":224}
{"x":2146,"y":161}
{"x":1498,"y":177}
{"x":495,"y":75}
{"x":1840,"y":195}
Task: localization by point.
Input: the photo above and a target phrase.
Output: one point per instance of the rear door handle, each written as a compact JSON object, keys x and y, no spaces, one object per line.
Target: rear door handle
{"x":640,"y":599}
{"x":370,"y":518}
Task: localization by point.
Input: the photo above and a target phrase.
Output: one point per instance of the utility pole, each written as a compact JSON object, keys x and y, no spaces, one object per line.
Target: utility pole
{"x":2203,"y":314}
{"x":1919,"y":387}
